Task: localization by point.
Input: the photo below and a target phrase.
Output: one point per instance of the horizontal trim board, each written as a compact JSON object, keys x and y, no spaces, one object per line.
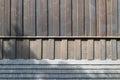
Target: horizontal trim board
{"x":62,"y":62}
{"x":59,"y":37}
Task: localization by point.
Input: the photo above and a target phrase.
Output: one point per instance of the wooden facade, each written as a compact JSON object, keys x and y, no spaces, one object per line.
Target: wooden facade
{"x":59,"y":18}
{"x":59,"y":39}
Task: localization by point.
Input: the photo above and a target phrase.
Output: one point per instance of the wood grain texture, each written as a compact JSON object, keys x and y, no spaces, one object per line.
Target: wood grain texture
{"x":26,"y":49}
{"x":16,"y":18}
{"x":97,"y":49}
{"x":101,"y":17}
{"x":109,"y":17}
{"x":1,"y":46}
{"x":78,"y":17}
{"x":90,"y":49}
{"x":59,"y":18}
{"x":19,"y":49}
{"x":58,"y":49}
{"x":53,"y":10}
{"x":108,"y":49}
{"x":114,"y":49}
{"x":118,"y":48}
{"x":6,"y":18}
{"x":84,"y":49}
{"x":35,"y":49}
{"x":41,"y":17}
{"x":66,"y":17}
{"x":102,"y":49}
{"x":114,"y":18}
{"x":29,"y":17}
{"x":9,"y":49}
{"x":2,"y":17}
{"x":64,"y":49}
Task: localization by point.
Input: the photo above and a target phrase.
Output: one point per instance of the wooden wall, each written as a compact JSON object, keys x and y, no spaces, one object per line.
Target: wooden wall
{"x":59,"y":17}
{"x":77,"y":49}
{"x":21,"y":20}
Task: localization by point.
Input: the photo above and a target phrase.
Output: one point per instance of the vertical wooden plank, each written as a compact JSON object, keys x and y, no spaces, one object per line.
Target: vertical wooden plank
{"x":77,"y":49}
{"x":71,"y":54}
{"x":97,"y":49}
{"x":2,"y":17}
{"x":114,"y":49}
{"x":90,"y":18}
{"x":1,"y":47}
{"x":64,"y":49}
{"x":90,"y":49}
{"x":114,"y":18}
{"x":108,"y":49}
{"x":93,"y":28}
{"x":48,"y":49}
{"x":19,"y":46}
{"x":118,"y":17}
{"x":9,"y":49}
{"x":118,"y":48}
{"x":41,"y":17}
{"x":53,"y":10}
{"x":109,"y":17}
{"x":29,"y":17}
{"x":57,"y":49}
{"x":87,"y":17}
{"x":35,"y":49}
{"x":7,"y":18}
{"x":45,"y":49}
{"x":78,"y":17}
{"x":101,"y":17}
{"x":84,"y":49}
{"x":102,"y":49}
{"x":65,"y":18}
{"x":26,"y":49}
{"x":51,"y":49}
{"x":16,"y":17}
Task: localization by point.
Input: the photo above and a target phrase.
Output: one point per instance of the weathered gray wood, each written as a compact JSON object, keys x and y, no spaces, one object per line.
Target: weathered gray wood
{"x":118,"y":48}
{"x":84,"y":49}
{"x":114,"y":18}
{"x":48,"y":49}
{"x":26,"y":49}
{"x":109,"y":17}
{"x":53,"y":7}
{"x":92,"y":15}
{"x":65,"y":18}
{"x":90,"y":49}
{"x":51,"y":49}
{"x":29,"y":17}
{"x":77,"y":49}
{"x":19,"y":48}
{"x":2,"y":17}
{"x":118,"y":17}
{"x":97,"y":49}
{"x":45,"y":51}
{"x":114,"y":49}
{"x":108,"y":49}
{"x":9,"y":49}
{"x":101,"y":17}
{"x":1,"y":47}
{"x":71,"y":53}
{"x":102,"y":49}
{"x":57,"y":49}
{"x":87,"y":18}
{"x":41,"y":13}
{"x":64,"y":49}
{"x":35,"y":49}
{"x":16,"y":17}
{"x":6,"y":18}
